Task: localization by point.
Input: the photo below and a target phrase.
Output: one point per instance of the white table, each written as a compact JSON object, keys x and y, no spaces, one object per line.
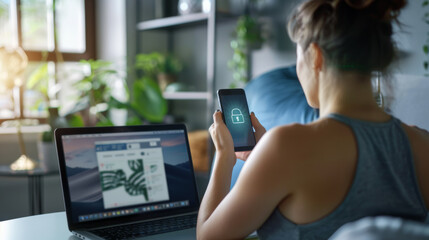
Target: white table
{"x":52,"y":226}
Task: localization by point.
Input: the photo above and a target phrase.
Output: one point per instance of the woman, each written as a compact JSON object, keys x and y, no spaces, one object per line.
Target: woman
{"x":305,"y":181}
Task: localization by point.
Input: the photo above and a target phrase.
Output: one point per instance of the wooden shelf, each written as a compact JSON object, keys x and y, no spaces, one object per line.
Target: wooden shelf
{"x":172,"y":21}
{"x":186,"y":95}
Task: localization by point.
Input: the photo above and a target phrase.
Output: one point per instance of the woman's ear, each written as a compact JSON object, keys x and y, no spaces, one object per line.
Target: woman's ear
{"x":317,"y":57}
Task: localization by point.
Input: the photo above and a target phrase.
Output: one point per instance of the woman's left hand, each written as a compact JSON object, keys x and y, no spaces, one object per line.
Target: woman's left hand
{"x":221,"y":136}
{"x":259,"y":132}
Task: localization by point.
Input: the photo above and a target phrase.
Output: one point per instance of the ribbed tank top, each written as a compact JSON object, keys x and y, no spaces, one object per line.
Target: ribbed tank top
{"x":385,"y":183}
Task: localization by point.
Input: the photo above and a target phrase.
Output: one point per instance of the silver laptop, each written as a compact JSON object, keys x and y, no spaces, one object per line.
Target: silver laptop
{"x":132,"y":182}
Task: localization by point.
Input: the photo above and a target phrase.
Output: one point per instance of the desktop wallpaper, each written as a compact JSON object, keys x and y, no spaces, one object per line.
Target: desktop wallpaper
{"x":83,"y":172}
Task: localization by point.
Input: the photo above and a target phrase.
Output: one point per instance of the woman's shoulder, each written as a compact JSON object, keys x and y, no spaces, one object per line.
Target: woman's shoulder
{"x":316,"y":141}
{"x":308,"y":153}
{"x":419,"y":141}
{"x":317,"y":132}
{"x":416,"y":134}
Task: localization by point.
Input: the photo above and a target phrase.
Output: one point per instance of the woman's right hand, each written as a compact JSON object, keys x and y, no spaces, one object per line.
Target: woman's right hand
{"x":259,"y":132}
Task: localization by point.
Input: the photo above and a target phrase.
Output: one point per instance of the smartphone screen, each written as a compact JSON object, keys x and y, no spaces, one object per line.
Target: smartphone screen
{"x":236,"y":115}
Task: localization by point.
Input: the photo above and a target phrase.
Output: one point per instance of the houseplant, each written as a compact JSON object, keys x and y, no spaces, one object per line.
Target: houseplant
{"x":95,"y":91}
{"x":248,"y":36}
{"x":147,"y":103}
{"x":163,"y":67}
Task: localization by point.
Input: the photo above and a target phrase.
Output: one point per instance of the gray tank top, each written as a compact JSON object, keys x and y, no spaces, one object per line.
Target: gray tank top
{"x":385,"y":183}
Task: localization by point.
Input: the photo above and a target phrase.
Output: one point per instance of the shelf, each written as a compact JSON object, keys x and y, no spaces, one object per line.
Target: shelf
{"x":186,"y":95}
{"x":25,"y":129}
{"x":172,"y":21}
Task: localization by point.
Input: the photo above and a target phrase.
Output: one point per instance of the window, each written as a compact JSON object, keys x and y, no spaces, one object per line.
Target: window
{"x":49,"y":31}
{"x":30,"y":24}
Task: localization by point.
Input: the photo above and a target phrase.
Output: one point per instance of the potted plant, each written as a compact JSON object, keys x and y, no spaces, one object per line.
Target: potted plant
{"x":248,"y":36}
{"x":95,"y":91}
{"x":163,"y":67}
{"x":147,"y":103}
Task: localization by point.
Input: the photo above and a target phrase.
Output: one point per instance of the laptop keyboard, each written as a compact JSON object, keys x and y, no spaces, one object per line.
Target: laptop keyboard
{"x":147,"y":228}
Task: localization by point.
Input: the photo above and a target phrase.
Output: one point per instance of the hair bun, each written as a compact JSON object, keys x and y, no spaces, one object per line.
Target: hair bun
{"x":383,"y":9}
{"x":359,"y":4}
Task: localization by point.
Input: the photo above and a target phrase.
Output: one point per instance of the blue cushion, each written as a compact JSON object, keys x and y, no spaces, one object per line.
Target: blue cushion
{"x":277,"y":98}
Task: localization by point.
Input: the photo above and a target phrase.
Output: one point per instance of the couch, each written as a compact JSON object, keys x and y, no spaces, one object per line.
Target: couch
{"x":277,"y":98}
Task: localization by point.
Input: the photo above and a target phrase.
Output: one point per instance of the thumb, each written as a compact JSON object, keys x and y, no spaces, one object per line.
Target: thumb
{"x":217,"y":117}
{"x":255,"y":122}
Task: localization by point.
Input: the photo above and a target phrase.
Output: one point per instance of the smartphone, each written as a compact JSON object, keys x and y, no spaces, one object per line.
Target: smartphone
{"x":236,"y":116}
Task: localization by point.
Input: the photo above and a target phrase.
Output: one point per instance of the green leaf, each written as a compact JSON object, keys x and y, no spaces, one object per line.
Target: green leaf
{"x":48,"y":136}
{"x":104,"y":123}
{"x":426,"y":65}
{"x":133,"y":121}
{"x":426,"y":49}
{"x":3,"y":8}
{"x":75,"y":121}
{"x":425,"y":3}
{"x":114,"y":103}
{"x":148,"y":100}
{"x":39,"y":76}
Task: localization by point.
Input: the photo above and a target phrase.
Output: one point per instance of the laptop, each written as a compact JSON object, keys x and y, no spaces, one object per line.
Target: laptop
{"x":131,"y":182}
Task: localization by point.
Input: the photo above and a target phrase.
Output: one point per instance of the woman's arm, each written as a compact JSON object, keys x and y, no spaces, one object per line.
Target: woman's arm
{"x":259,"y":189}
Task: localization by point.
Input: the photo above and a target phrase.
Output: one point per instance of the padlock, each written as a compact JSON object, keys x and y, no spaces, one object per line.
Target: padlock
{"x":237,"y":116}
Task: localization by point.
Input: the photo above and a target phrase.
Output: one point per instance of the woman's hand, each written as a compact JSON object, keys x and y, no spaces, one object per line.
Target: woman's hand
{"x":221,"y":136}
{"x":259,"y":132}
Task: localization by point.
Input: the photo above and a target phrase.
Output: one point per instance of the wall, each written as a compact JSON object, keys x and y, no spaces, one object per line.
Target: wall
{"x":411,"y":37}
{"x":111,"y":31}
{"x":111,"y":46}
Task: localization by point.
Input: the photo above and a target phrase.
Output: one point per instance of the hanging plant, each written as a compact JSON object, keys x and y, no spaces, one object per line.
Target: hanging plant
{"x":247,"y":37}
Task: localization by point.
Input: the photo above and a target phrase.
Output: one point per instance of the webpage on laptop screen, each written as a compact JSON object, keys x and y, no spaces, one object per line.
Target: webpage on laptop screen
{"x":131,"y":172}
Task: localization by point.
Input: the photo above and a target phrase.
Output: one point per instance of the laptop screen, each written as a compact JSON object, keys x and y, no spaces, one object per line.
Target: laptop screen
{"x":122,"y":174}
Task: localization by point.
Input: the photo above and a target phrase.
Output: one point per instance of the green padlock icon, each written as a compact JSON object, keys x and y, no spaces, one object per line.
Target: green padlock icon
{"x":237,"y":116}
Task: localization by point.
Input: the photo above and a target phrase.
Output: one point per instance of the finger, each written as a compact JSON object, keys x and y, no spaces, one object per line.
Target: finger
{"x":217,"y":117}
{"x":255,"y":122}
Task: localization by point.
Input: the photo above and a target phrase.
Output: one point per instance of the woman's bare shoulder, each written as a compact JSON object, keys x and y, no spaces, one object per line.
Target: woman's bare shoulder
{"x":284,"y":144}
{"x":315,"y":133}
{"x":310,"y":151}
{"x":419,"y":139}
{"x":311,"y":141}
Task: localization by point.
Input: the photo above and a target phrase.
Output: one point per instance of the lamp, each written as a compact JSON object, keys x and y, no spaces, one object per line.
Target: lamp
{"x":12,"y":63}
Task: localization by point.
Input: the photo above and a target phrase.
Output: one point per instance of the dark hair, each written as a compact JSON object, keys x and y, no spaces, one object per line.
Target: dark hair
{"x":354,"y":35}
